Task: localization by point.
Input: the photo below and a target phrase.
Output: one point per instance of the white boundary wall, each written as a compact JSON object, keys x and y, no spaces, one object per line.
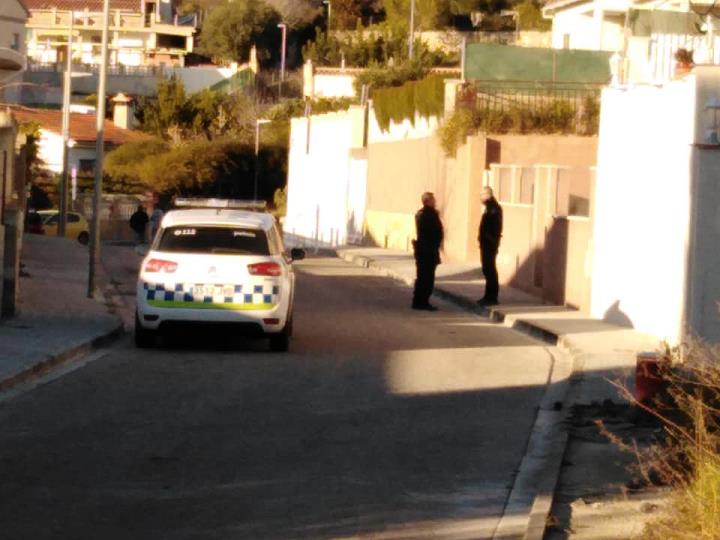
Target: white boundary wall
{"x":656,"y":202}
{"x":326,"y":180}
{"x":327,"y":173}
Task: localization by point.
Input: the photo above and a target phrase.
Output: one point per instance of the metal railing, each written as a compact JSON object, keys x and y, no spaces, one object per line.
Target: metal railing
{"x":117,"y":69}
{"x":522,"y":106}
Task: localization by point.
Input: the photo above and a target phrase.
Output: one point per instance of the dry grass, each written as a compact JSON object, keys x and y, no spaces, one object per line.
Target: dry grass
{"x":688,"y":457}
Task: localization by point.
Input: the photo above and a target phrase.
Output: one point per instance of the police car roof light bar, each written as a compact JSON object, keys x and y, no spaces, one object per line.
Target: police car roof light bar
{"x":230,"y":204}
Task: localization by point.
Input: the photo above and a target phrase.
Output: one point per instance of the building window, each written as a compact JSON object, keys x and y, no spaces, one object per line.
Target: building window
{"x":15,"y":44}
{"x":165,"y":41}
{"x":87,"y":167}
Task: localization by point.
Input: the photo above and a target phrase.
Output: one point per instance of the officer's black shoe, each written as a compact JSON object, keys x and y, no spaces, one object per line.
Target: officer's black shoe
{"x":487,"y":302}
{"x":427,"y":307}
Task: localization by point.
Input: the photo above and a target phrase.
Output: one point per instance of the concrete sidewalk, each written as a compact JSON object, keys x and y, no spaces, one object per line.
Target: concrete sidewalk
{"x":56,"y":320}
{"x":599,"y":350}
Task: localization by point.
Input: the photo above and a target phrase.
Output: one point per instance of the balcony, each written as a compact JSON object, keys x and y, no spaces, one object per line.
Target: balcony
{"x":11,"y":62}
{"x":119,"y":21}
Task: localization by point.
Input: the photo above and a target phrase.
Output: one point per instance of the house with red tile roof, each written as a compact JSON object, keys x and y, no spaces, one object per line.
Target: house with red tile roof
{"x":81,"y":153}
{"x":142,"y":32}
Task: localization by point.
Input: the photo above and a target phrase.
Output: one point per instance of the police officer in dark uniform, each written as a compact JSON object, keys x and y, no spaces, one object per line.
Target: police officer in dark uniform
{"x":491,"y":227}
{"x":427,"y":252}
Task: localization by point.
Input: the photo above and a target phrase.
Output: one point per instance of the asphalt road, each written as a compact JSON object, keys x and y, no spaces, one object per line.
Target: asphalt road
{"x":382,"y":422}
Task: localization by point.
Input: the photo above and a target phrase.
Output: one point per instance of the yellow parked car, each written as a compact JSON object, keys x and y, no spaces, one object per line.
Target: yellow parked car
{"x":76,"y":227}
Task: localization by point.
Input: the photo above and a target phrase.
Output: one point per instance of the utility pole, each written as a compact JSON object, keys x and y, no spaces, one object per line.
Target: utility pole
{"x":99,"y":154}
{"x":259,"y":122}
{"x":67,"y":95}
{"x":283,"y":55}
{"x":411,"y":39}
{"x":329,"y":17}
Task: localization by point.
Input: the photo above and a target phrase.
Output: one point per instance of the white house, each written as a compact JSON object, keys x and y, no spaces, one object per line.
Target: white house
{"x":657,"y":227}
{"x":81,"y":154}
{"x":646,"y":33}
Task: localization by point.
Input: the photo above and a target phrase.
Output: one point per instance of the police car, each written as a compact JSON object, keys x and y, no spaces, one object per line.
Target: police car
{"x":217,"y":262}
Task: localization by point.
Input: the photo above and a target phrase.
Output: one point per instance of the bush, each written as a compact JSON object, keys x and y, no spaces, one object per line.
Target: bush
{"x":124,"y":164}
{"x":200,"y":167}
{"x":377,"y":77}
{"x":364,"y":48}
{"x":688,"y":457}
{"x":551,"y":116}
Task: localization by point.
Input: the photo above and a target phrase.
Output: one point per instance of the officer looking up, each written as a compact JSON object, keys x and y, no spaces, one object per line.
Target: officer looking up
{"x":489,"y":236}
{"x":427,"y":252}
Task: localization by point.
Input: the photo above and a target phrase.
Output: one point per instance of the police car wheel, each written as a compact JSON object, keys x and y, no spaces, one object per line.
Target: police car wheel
{"x":280,"y":342}
{"x":144,"y":339}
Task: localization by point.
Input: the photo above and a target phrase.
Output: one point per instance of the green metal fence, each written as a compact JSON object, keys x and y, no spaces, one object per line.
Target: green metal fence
{"x":493,"y":62}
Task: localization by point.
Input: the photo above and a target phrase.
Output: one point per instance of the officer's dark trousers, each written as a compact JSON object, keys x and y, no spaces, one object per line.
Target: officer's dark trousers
{"x":489,"y":268}
{"x":425,"y":281}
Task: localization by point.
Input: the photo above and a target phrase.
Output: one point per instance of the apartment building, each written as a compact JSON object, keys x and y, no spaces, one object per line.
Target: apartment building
{"x":142,"y":32}
{"x":12,"y":35}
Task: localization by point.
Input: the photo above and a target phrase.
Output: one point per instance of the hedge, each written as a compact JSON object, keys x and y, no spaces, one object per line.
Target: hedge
{"x":425,"y":98}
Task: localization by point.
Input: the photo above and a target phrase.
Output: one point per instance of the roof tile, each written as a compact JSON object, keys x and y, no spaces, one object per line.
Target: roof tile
{"x":82,"y":126}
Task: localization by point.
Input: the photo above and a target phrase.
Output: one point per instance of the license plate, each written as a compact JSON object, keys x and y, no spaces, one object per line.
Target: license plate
{"x":203,"y":291}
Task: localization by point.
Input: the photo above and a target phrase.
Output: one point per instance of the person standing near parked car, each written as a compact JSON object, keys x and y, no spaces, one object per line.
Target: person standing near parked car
{"x":156,"y":216}
{"x":138,"y":223}
{"x":427,"y":252}
{"x":491,"y":228}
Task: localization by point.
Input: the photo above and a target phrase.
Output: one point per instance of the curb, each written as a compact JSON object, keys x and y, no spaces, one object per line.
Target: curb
{"x":63,"y":357}
{"x":531,"y":498}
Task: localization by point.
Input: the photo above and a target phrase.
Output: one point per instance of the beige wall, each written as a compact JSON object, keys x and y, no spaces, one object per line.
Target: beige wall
{"x":400,"y":172}
{"x":544,"y":251}
{"x":565,"y":150}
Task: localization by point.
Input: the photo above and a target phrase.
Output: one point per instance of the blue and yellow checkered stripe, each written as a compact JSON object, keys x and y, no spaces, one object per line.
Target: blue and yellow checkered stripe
{"x":183,"y":295}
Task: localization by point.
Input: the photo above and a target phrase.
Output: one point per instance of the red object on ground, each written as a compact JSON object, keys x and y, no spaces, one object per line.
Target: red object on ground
{"x":649,"y":381}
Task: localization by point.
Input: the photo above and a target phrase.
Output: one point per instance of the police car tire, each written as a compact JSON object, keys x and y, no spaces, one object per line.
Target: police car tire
{"x":280,"y":342}
{"x":144,"y":339}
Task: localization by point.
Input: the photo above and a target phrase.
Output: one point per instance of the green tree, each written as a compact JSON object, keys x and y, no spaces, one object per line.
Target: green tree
{"x":296,"y":13}
{"x":429,"y":14}
{"x":168,"y":111}
{"x":230,"y":30}
{"x":530,"y":16}
{"x":174,"y":115}
{"x":124,"y":164}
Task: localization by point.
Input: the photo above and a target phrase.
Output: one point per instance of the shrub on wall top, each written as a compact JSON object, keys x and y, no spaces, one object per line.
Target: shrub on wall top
{"x":554,"y":116}
{"x":397,"y":104}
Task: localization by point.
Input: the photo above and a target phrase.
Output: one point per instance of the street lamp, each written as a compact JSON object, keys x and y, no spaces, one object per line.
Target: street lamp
{"x":283,"y":51}
{"x":328,"y":3}
{"x":259,"y":122}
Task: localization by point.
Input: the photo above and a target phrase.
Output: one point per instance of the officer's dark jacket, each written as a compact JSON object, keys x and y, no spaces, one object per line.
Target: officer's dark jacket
{"x":491,"y":226}
{"x":429,"y":235}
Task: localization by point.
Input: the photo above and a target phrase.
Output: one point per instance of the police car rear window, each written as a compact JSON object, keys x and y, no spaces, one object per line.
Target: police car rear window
{"x":214,"y":240}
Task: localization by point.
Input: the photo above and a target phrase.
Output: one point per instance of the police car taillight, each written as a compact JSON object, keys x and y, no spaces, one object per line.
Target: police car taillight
{"x":265,"y":269}
{"x":158,"y":265}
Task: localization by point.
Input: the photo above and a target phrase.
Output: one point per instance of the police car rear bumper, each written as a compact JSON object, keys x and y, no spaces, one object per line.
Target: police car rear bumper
{"x":265,"y":319}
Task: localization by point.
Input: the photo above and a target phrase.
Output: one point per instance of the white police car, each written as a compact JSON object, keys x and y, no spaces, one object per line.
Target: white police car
{"x":217,"y":262}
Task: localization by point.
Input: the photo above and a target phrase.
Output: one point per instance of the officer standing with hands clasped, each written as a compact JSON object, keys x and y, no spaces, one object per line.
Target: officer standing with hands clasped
{"x":491,"y":227}
{"x":427,"y":252}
